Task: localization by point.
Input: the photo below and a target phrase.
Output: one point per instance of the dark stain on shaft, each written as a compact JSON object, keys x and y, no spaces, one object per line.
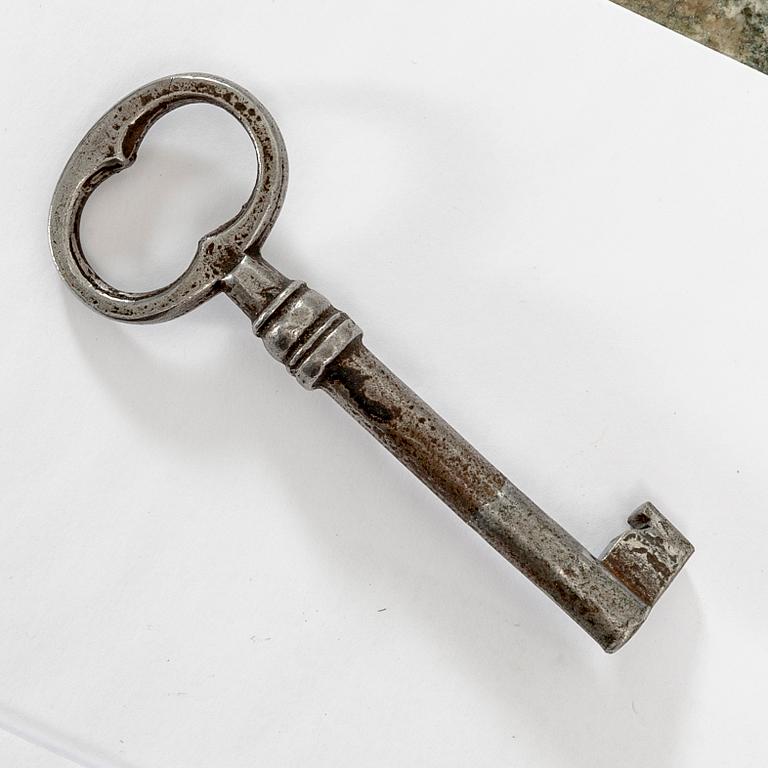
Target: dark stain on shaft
{"x":353,"y":381}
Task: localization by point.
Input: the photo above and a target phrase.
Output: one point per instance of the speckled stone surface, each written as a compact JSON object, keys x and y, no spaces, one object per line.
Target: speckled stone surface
{"x":737,"y":28}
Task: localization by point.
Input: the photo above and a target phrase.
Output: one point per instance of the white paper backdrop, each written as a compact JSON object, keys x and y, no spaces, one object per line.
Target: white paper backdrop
{"x":550,"y":220}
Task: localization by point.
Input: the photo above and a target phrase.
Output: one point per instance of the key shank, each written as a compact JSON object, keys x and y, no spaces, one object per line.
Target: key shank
{"x":608,"y":597}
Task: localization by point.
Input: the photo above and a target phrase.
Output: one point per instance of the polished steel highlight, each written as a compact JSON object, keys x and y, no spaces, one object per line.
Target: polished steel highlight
{"x":322,"y":347}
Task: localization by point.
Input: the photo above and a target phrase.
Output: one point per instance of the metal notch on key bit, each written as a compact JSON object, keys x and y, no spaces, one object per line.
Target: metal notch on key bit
{"x":609,"y":597}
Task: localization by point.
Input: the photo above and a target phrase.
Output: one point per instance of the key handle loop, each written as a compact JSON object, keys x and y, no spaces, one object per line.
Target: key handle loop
{"x":112,"y":144}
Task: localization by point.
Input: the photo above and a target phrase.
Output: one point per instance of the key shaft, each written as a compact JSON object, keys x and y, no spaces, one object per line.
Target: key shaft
{"x":323,"y":349}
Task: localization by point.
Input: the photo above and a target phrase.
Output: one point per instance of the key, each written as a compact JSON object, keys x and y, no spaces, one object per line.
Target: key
{"x":609,"y":597}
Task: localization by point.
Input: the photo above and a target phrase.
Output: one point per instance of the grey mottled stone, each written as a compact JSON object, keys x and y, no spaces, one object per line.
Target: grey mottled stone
{"x":737,"y":28}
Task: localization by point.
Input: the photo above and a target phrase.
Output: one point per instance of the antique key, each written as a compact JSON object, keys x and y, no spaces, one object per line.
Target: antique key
{"x":609,"y":597}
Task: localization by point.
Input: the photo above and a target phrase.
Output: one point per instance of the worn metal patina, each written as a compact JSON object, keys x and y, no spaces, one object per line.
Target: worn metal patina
{"x":609,"y":597}
{"x":737,"y":28}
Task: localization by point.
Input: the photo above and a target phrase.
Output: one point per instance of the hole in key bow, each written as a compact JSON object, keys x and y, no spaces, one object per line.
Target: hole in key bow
{"x":195,"y":169}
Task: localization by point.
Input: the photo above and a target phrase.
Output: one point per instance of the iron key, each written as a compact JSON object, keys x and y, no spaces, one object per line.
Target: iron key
{"x":609,"y":596}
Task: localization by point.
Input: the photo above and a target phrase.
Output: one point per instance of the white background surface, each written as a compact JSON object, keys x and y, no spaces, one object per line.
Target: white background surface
{"x":549,"y":218}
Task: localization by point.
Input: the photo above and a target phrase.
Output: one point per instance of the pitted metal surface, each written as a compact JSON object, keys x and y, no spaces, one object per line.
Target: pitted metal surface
{"x":648,"y":556}
{"x":322,"y":347}
{"x":112,"y":145}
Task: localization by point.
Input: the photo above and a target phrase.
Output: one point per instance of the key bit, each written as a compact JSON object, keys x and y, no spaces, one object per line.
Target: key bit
{"x":322,"y":347}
